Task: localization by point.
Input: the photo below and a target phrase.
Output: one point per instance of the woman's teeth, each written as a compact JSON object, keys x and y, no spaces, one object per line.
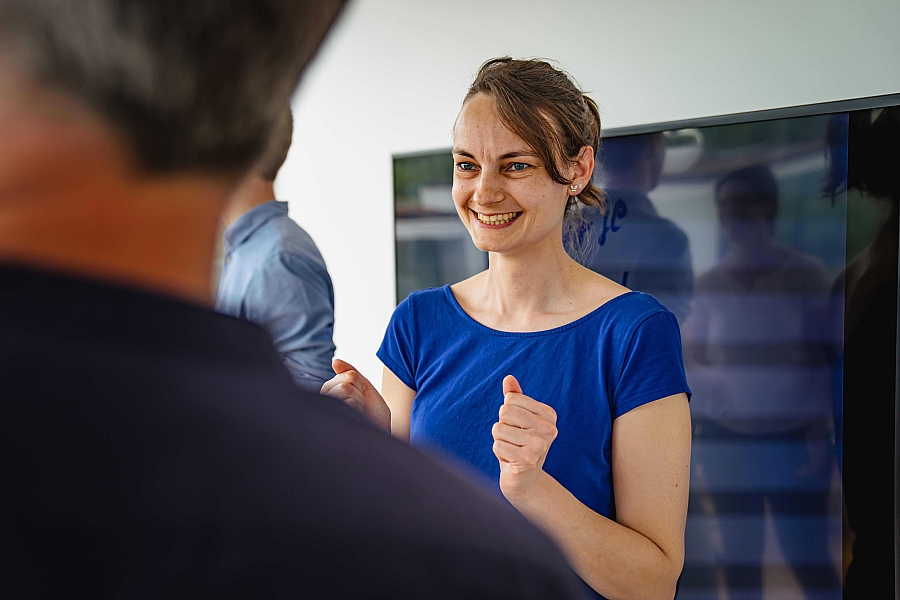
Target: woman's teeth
{"x":497,"y":219}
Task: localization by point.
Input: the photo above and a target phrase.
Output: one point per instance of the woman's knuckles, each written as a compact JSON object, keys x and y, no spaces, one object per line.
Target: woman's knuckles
{"x":549,"y":414}
{"x":498,"y":449}
{"x":548,"y":431}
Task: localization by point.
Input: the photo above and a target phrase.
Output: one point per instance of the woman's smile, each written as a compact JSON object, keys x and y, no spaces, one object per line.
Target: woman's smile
{"x":496,"y":221}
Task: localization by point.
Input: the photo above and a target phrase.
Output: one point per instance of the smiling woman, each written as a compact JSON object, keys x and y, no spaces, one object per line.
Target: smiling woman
{"x":565,"y":389}
{"x":553,"y":121}
{"x":497,"y":174}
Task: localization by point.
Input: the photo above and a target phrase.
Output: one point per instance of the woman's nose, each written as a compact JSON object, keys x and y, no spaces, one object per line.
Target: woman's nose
{"x":488,"y":190}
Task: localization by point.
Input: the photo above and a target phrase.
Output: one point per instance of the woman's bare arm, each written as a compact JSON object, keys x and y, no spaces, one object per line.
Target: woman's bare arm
{"x":641,"y":554}
{"x":399,"y":399}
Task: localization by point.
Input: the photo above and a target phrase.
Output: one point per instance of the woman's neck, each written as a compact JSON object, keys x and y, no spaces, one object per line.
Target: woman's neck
{"x":520,"y":286}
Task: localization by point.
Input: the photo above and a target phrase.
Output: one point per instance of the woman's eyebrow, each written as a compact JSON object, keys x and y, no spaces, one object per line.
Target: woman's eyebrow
{"x":519,"y":153}
{"x":514,"y":154}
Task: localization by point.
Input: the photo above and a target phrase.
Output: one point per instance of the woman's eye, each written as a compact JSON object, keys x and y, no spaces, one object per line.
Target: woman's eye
{"x":465,"y":166}
{"x":517,"y":166}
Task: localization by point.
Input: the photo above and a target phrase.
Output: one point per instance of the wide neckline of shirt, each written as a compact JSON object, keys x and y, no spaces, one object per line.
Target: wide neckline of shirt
{"x":249,"y":222}
{"x":580,"y":320}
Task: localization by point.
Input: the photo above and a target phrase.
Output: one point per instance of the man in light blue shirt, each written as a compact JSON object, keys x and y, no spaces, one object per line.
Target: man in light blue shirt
{"x":273,"y":273}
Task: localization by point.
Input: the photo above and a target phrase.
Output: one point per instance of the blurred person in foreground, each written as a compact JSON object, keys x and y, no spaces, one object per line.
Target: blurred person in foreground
{"x":152,"y":447}
{"x":273,"y":274}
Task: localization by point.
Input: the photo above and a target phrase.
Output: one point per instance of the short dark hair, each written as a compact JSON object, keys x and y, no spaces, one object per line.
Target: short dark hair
{"x":543,"y":106}
{"x":760,"y":181}
{"x":628,"y":152}
{"x":193,"y":85}
{"x":277,"y":149}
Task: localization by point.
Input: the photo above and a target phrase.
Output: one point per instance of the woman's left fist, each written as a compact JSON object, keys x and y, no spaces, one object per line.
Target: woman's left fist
{"x":522,"y":438}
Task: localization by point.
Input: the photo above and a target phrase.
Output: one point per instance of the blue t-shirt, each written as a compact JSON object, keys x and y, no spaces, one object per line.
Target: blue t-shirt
{"x":624,"y":354}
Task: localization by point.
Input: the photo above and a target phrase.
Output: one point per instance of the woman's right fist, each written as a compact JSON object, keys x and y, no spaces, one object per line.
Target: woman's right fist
{"x":354,"y":389}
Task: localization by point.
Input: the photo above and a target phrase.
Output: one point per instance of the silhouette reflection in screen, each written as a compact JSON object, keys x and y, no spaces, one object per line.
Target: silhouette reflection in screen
{"x":635,"y":246}
{"x":869,"y":355}
{"x":761,"y":384}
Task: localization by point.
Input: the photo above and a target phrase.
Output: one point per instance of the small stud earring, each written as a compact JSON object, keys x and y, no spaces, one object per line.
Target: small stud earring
{"x":574,"y":188}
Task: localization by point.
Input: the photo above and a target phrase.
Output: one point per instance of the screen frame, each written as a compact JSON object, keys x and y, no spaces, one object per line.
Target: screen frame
{"x":803,"y":110}
{"x":771,"y":114}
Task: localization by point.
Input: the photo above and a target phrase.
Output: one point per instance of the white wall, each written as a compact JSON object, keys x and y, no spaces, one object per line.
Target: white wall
{"x":392,"y":75}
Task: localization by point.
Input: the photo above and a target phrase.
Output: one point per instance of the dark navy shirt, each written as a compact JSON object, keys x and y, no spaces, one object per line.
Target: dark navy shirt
{"x":624,"y":354}
{"x":152,"y":448}
{"x":273,"y":275}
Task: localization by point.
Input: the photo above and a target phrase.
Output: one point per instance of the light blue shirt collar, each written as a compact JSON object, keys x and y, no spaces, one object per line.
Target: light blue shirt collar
{"x":251,"y":221}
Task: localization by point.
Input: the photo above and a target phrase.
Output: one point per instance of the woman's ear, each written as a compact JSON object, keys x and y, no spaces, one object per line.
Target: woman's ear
{"x":583,"y":167}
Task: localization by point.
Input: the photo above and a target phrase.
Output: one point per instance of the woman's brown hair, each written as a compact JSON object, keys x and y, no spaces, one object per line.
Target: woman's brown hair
{"x":543,"y":106}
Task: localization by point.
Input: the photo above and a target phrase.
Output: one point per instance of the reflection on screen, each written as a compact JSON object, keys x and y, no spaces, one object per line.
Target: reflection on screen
{"x":729,"y":227}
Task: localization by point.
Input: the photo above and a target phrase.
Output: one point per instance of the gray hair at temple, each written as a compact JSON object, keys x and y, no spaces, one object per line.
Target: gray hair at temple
{"x":192,"y":84}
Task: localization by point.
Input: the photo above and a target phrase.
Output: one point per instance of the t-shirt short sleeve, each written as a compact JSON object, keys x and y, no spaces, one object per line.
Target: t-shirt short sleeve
{"x":396,"y":351}
{"x":653,"y":367}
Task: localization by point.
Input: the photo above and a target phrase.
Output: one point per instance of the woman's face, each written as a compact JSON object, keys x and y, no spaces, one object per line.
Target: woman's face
{"x":503,"y":194}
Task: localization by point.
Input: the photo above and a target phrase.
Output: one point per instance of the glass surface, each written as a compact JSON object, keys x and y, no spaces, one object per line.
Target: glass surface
{"x":748,"y":234}
{"x":432,"y":246}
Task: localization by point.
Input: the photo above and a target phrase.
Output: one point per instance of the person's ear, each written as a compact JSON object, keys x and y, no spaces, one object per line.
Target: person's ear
{"x":583,"y":167}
